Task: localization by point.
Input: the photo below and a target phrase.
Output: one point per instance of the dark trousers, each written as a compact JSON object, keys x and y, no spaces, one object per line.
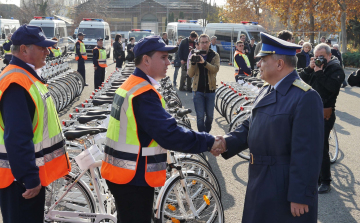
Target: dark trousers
{"x":184,"y":77}
{"x":81,"y":68}
{"x":325,"y":173}
{"x":134,"y":204}
{"x":119,"y":62}
{"x":176,"y":74}
{"x":99,"y":77}
{"x":16,"y":209}
{"x":252,"y":63}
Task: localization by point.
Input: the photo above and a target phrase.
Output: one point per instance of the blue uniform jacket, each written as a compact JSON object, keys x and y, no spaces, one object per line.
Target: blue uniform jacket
{"x":285,"y":133}
{"x":77,"y":47}
{"x":7,"y":47}
{"x":96,"y":56}
{"x":242,"y":65}
{"x":154,"y":122}
{"x":17,"y":110}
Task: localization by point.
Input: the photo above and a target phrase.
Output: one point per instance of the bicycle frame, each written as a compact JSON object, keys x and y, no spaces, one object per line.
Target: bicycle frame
{"x":102,"y":215}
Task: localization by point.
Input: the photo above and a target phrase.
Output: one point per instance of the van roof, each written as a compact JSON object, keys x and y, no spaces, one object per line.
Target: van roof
{"x":97,"y":23}
{"x":9,"y":21}
{"x":47,"y":22}
{"x":185,"y":25}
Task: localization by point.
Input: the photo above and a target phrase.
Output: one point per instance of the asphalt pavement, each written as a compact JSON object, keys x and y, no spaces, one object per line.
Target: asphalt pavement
{"x":341,"y":205}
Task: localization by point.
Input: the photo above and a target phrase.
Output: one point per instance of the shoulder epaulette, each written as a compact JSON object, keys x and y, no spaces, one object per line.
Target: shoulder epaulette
{"x":302,"y":85}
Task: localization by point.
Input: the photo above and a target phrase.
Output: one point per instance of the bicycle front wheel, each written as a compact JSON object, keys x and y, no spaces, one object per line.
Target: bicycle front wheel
{"x":333,"y":146}
{"x":207,"y":204}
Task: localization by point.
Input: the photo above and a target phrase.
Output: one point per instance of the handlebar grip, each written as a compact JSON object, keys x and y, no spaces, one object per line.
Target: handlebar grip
{"x":171,"y":104}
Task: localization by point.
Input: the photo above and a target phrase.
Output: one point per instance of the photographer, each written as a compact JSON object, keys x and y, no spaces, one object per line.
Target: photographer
{"x":185,"y":47}
{"x":203,"y":68}
{"x":325,"y":75}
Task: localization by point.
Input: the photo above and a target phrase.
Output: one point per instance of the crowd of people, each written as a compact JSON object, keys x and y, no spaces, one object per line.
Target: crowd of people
{"x":286,"y":172}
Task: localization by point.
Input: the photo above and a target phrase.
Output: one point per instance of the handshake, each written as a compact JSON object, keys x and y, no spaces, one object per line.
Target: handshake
{"x":219,"y":146}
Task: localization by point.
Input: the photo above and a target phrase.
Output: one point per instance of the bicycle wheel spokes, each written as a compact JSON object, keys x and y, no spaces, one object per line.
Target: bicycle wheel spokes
{"x":203,"y":196}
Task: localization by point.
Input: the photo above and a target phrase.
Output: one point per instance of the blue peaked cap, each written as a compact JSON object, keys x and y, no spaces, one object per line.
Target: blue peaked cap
{"x":273,"y":45}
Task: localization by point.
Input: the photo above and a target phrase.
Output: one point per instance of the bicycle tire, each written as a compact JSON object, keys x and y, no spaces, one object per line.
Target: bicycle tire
{"x":234,"y":107}
{"x":333,"y":146}
{"x":207,"y":203}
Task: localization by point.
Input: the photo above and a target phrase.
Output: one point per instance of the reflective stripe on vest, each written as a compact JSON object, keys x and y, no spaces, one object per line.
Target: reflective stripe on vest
{"x":82,"y":51}
{"x":49,"y":147}
{"x":102,"y":57}
{"x":56,"y":52}
{"x":7,"y":51}
{"x":122,"y":147}
{"x":237,"y":66}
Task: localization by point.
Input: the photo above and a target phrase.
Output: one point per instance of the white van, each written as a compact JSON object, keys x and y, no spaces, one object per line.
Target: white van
{"x":225,"y":32}
{"x":7,"y":26}
{"x":53,"y":28}
{"x":182,"y":28}
{"x":94,"y":29}
{"x":139,"y":34}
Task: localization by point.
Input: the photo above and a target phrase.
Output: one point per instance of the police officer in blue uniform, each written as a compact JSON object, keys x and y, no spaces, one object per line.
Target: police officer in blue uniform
{"x":81,"y":60}
{"x":285,"y":136}
{"x":99,"y":68}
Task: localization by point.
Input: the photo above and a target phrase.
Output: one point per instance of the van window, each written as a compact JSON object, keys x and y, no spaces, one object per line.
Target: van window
{"x":62,"y":32}
{"x":186,"y":33}
{"x":92,"y":33}
{"x":48,"y":31}
{"x":256,"y":35}
{"x":13,"y":28}
{"x":225,"y":35}
{"x":171,"y":34}
{"x":6,"y":30}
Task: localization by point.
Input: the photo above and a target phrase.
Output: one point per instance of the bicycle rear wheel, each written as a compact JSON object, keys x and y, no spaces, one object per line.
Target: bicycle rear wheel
{"x":175,"y":208}
{"x":333,"y":146}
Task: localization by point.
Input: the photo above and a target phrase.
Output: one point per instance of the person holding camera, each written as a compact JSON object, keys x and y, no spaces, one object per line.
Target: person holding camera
{"x":185,"y":47}
{"x":203,"y":69}
{"x":119,"y":53}
{"x":130,"y":50}
{"x":325,"y":75}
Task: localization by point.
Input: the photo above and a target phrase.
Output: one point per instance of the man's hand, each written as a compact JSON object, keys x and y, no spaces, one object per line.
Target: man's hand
{"x":219,"y":146}
{"x":246,"y":51}
{"x":30,"y":193}
{"x":201,"y":59}
{"x":95,"y":68}
{"x":327,"y":113}
{"x":316,"y":69}
{"x":183,"y":62}
{"x":312,"y":63}
{"x":298,"y":209}
{"x":119,"y":57}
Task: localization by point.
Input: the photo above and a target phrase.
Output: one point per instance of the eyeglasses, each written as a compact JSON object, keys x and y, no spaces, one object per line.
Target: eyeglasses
{"x":241,"y":45}
{"x":204,"y":42}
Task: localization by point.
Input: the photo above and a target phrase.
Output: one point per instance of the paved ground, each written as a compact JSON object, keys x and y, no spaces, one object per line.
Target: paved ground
{"x":339,"y":206}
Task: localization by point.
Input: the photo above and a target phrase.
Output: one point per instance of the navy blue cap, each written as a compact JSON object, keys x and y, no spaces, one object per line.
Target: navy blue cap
{"x":152,"y":43}
{"x":99,"y":39}
{"x":81,"y":34}
{"x":27,"y":35}
{"x":273,"y":45}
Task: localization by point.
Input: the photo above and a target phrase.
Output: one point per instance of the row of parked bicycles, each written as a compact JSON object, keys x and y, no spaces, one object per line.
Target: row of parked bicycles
{"x":64,"y":84}
{"x":234,"y":101}
{"x":191,"y":192}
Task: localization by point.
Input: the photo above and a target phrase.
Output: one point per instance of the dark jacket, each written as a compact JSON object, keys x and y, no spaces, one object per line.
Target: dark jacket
{"x":177,"y":61}
{"x":247,"y":47}
{"x":17,"y":110}
{"x":153,"y":122}
{"x":7,"y":47}
{"x":242,"y":65}
{"x":77,"y":47}
{"x":337,"y":54}
{"x":130,"y":53}
{"x":118,"y":50}
{"x":326,"y":82}
{"x":302,"y":59}
{"x":184,"y":49}
{"x":285,"y":134}
{"x":96,"y":56}
{"x":166,"y":41}
{"x":252,"y":53}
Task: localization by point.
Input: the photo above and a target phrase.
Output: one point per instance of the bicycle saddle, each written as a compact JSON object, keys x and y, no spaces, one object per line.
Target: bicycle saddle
{"x":98,"y":112}
{"x":110,"y":93}
{"x":259,"y":85}
{"x":103,"y":97}
{"x":241,"y":77}
{"x":101,"y":129}
{"x":97,"y":102}
{"x":86,"y":118}
{"x":74,"y":134}
{"x":256,"y":82}
{"x":172,"y":104}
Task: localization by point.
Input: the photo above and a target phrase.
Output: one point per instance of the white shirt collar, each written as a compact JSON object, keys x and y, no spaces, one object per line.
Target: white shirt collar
{"x":38,"y":71}
{"x":153,"y":82}
{"x":278,"y":83}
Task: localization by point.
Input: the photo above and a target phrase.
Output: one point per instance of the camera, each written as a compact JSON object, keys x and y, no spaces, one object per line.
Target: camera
{"x":320,"y":61}
{"x":196,"y":58}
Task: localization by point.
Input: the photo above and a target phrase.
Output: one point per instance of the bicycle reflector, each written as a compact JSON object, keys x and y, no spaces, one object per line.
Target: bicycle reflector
{"x":82,"y":105}
{"x":194,"y":182}
{"x":242,"y":108}
{"x":240,"y":94}
{"x":63,"y":123}
{"x":91,"y":97}
{"x":206,"y":199}
{"x":70,"y":115}
{"x":174,"y":220}
{"x":171,"y":207}
{"x":77,"y":110}
{"x":246,"y":98}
